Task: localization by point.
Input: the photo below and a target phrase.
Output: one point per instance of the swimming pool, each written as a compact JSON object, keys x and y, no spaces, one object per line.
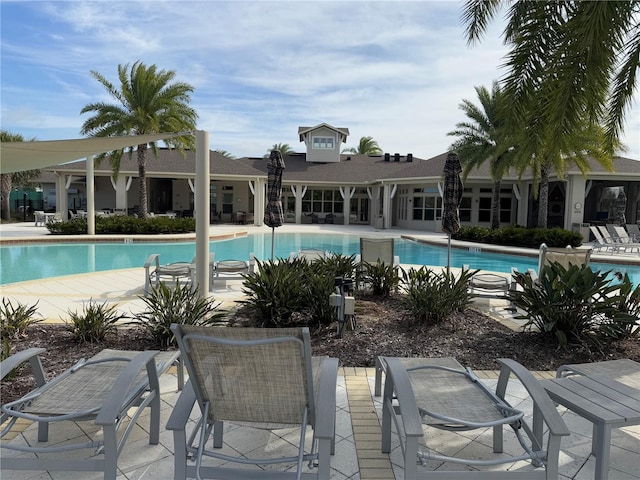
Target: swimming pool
{"x":30,"y":261}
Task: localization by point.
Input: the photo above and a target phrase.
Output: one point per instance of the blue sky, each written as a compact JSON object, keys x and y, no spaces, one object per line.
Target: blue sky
{"x":396,"y":71}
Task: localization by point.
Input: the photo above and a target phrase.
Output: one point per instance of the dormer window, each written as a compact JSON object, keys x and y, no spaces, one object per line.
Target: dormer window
{"x":326,"y":143}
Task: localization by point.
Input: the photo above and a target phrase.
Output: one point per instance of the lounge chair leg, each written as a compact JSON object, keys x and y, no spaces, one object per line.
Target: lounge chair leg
{"x":110,"y":452}
{"x":218,"y":427}
{"x":43,"y":431}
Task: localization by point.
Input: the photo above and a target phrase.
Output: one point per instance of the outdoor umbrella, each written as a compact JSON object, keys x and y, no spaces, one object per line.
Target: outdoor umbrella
{"x":273,"y":216}
{"x":451,"y":195}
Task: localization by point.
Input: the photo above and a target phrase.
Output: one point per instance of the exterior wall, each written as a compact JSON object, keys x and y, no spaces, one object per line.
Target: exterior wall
{"x":321,"y":154}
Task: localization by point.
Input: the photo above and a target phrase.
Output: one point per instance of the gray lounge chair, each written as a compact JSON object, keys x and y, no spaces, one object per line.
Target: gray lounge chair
{"x":232,"y":269}
{"x":439,"y":393}
{"x":259,"y":378}
{"x":155,"y":272}
{"x":112,"y":389}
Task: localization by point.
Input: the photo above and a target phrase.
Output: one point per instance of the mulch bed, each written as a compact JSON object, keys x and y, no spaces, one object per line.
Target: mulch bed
{"x":383,"y":327}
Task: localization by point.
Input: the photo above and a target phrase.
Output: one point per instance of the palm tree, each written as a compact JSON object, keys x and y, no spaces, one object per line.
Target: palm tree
{"x":7,"y":180}
{"x":570,"y":62}
{"x":577,"y":149}
{"x":485,"y":137}
{"x":284,"y":148}
{"x":146,"y":103}
{"x":225,"y":154}
{"x":367,"y":146}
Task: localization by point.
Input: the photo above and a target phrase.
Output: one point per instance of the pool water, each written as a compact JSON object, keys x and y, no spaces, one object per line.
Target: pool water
{"x":34,"y":261}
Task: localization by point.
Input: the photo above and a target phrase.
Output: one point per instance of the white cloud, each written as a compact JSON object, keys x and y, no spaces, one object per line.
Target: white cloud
{"x":394,"y":70}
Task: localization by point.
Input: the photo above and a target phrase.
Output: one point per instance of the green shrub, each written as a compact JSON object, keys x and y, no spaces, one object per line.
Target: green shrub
{"x":572,"y":303}
{"x":96,"y":321}
{"x":275,"y":291}
{"x":123,"y":224}
{"x":621,"y":326}
{"x":518,"y":236}
{"x":320,"y":280}
{"x":383,"y":278}
{"x":182,"y":305}
{"x":433,"y":296}
{"x":14,"y":320}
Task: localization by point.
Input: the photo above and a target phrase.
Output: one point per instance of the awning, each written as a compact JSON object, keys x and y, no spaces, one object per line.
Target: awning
{"x":20,"y":156}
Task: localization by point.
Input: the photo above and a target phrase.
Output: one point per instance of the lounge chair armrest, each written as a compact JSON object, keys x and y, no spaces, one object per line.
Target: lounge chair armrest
{"x":30,"y":355}
{"x":154,"y":257}
{"x":398,"y":380}
{"x":113,"y":403}
{"x":538,"y":394}
{"x":182,"y":409}
{"x":326,"y":399}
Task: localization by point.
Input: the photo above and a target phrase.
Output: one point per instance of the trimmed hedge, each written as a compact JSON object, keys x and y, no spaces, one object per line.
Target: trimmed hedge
{"x":121,"y":224}
{"x":517,"y":236}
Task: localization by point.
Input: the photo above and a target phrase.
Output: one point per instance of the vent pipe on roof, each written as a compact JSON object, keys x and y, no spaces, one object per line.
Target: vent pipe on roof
{"x":409,"y":157}
{"x":396,"y":157}
{"x":387,"y":157}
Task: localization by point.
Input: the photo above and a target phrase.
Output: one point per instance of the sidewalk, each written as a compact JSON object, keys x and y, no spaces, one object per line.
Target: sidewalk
{"x":358,"y":449}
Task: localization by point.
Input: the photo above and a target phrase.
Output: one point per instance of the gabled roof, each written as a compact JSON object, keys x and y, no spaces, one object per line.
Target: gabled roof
{"x":353,"y":169}
{"x":344,"y":132}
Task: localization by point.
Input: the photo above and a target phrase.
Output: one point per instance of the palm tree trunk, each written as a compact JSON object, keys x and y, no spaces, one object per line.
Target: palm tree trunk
{"x":495,"y":205}
{"x":5,"y":189}
{"x":543,"y":197}
{"x":142,"y":181}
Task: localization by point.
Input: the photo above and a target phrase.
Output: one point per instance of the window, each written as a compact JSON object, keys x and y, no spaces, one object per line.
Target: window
{"x":427,"y":208}
{"x":484,"y":209}
{"x":323,"y":143}
{"x":322,"y":201}
{"x":465,"y":209}
{"x":227,"y":199}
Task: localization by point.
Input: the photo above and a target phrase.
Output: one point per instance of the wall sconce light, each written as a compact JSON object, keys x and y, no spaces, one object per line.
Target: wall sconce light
{"x":578,"y":206}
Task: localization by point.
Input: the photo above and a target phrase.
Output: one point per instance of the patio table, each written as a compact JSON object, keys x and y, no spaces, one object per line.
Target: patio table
{"x":602,"y":399}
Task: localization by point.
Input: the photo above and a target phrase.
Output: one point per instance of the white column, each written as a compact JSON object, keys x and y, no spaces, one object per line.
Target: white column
{"x":202,"y":212}
{"x":62,"y":202}
{"x":121,"y":187}
{"x":91,"y":198}
{"x":574,"y":200}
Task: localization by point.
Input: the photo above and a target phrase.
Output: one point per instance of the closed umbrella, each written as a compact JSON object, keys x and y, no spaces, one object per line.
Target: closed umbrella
{"x":273,"y":215}
{"x":451,"y":195}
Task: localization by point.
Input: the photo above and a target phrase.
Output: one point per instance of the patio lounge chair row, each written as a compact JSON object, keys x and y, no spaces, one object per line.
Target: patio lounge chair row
{"x":268,"y":379}
{"x":155,"y":272}
{"x":616,"y":239}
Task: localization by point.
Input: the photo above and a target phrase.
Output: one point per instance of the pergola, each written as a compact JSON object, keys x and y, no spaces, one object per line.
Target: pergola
{"x":21,"y":156}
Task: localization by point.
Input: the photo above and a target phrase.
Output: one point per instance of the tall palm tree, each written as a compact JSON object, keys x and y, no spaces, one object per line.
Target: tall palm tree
{"x":7,"y":180}
{"x":485,"y":137}
{"x":284,"y":148}
{"x":147,"y":102}
{"x":577,"y":149}
{"x":570,"y":62}
{"x":367,"y":146}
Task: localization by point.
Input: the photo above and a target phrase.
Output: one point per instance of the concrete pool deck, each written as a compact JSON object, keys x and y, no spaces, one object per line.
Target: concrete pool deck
{"x":358,"y":454}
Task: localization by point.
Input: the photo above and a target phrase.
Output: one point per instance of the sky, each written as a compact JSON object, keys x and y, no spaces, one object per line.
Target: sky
{"x":395,"y":71}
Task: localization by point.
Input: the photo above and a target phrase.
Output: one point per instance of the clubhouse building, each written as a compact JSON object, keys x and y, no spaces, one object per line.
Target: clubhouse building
{"x":321,"y":185}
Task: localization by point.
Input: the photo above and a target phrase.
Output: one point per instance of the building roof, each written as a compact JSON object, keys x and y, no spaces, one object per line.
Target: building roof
{"x":353,"y":169}
{"x":344,"y":132}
